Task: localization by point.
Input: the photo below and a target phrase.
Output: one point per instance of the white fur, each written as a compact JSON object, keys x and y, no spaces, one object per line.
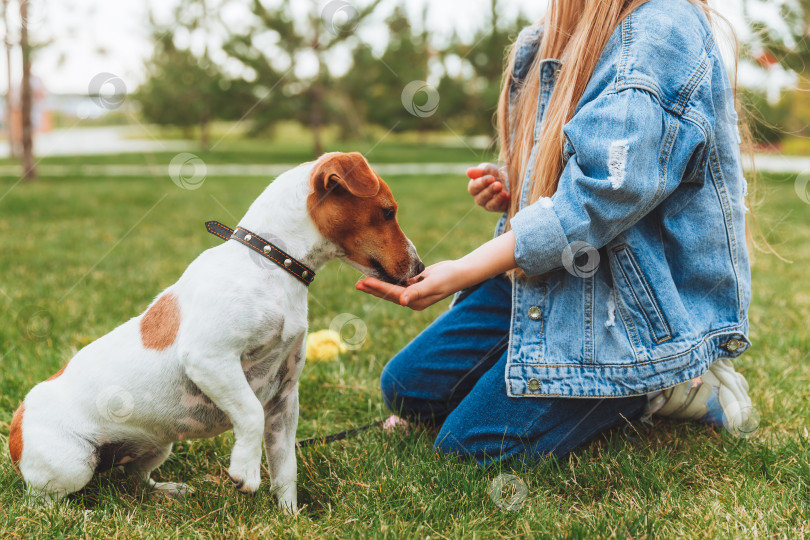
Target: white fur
{"x":237,"y":317}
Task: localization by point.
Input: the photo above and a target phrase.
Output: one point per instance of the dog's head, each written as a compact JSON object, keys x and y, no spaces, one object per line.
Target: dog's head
{"x":353,"y":208}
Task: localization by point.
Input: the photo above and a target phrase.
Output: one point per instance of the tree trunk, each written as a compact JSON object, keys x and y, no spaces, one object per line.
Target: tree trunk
{"x":316,"y":113}
{"x":12,"y":150}
{"x":29,"y":171}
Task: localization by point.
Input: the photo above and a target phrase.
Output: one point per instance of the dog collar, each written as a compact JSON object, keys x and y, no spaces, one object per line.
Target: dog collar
{"x":264,"y":248}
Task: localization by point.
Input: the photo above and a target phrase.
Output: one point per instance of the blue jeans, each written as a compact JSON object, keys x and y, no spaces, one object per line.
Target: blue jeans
{"x":453,"y":373}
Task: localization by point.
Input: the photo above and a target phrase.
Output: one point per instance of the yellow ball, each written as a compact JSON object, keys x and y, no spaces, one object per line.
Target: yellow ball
{"x":324,"y":345}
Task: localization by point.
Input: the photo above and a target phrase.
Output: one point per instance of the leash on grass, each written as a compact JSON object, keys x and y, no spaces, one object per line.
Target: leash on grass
{"x":339,"y":436}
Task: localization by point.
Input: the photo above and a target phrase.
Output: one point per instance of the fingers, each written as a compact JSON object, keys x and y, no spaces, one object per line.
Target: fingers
{"x":483,"y":169}
{"x":494,"y":190}
{"x":410,"y":295}
{"x":477,"y":185}
{"x":380,"y":289}
{"x":419,"y":300}
{"x":415,"y":279}
{"x":498,"y":203}
{"x":487,"y":187}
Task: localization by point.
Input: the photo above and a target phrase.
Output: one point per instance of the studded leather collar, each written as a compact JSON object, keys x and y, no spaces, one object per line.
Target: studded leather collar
{"x":264,"y":248}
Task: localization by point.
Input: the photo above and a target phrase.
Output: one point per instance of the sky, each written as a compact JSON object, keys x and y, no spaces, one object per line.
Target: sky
{"x":84,"y":38}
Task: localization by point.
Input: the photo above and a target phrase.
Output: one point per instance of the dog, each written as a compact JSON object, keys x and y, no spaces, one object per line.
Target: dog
{"x":222,"y":348}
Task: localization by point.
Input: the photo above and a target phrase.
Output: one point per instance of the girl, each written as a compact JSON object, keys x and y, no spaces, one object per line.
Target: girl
{"x":627,"y":279}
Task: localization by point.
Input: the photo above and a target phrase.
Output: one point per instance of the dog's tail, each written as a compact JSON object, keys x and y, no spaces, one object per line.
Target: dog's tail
{"x":15,"y":438}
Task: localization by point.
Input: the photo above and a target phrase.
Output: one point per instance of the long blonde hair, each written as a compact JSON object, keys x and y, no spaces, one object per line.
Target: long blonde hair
{"x":579,"y":30}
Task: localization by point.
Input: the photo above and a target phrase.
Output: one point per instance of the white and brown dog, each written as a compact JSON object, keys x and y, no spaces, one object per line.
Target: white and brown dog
{"x":221,"y":349}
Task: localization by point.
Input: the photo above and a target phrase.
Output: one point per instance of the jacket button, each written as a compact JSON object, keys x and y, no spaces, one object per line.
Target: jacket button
{"x":535,"y":313}
{"x":534,"y":385}
{"x":733,"y":344}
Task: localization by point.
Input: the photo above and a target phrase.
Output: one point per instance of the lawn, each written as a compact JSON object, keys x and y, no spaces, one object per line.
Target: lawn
{"x":81,"y":255}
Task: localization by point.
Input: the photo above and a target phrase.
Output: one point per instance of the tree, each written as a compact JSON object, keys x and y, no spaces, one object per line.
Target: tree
{"x":792,"y":50}
{"x":767,"y":121}
{"x":467,"y":97}
{"x":8,"y":46}
{"x":375,"y":85}
{"x":280,"y":92}
{"x":185,"y":90}
{"x":485,"y":55}
{"x":29,"y":167}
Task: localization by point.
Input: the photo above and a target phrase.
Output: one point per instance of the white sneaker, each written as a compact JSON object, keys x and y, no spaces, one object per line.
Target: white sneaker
{"x":718,"y":397}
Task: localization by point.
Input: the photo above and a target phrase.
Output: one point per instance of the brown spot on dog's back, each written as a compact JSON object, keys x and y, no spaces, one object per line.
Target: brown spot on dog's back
{"x":15,"y":440}
{"x":159,"y":325}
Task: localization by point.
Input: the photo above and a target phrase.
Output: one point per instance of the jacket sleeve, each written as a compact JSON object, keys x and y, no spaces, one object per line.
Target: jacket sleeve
{"x":627,"y":155}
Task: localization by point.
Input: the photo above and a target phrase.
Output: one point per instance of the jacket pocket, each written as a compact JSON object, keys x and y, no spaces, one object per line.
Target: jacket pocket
{"x":640,"y":293}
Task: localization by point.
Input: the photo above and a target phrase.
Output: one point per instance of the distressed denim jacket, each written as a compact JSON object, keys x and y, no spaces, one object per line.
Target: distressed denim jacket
{"x":637,"y":272}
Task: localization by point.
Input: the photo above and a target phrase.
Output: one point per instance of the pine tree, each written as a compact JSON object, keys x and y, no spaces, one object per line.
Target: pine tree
{"x":281,"y":92}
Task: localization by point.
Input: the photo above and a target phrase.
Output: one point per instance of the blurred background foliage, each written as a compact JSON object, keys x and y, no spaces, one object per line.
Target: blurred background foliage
{"x":336,"y":71}
{"x":465,"y":73}
{"x":268,"y":90}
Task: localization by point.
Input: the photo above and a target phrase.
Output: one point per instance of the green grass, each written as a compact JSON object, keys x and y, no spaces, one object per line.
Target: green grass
{"x":87,"y":254}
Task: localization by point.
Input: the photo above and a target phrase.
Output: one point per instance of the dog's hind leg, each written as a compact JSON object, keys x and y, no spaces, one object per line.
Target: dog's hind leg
{"x":144,"y":466}
{"x":281,"y":421}
{"x":55,"y":464}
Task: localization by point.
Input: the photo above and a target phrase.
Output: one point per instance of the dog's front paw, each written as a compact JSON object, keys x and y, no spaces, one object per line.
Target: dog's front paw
{"x":245,"y":472}
{"x":245,"y":483}
{"x":288,"y":498}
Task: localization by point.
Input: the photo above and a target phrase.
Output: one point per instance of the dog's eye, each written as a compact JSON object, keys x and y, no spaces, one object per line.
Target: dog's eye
{"x":389,"y":213}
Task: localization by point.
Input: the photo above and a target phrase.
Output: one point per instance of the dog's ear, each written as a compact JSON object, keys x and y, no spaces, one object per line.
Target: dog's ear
{"x":346,"y":171}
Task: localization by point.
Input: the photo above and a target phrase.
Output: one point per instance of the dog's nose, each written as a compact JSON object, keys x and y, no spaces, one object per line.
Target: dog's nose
{"x":420,"y":267}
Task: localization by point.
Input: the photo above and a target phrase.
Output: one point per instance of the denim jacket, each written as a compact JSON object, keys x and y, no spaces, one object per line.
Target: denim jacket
{"x":637,"y":272}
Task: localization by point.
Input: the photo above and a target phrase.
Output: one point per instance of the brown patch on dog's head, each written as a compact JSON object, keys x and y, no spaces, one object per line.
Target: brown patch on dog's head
{"x":352,"y":207}
{"x":159,"y":325}
{"x":15,"y":440}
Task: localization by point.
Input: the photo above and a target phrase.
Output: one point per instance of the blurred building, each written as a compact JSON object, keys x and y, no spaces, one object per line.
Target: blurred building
{"x":41,"y":117}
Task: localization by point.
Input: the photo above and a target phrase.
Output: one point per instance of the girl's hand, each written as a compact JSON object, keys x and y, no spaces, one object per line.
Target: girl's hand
{"x":488,"y":187}
{"x":444,"y":278}
{"x":435,"y":283}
